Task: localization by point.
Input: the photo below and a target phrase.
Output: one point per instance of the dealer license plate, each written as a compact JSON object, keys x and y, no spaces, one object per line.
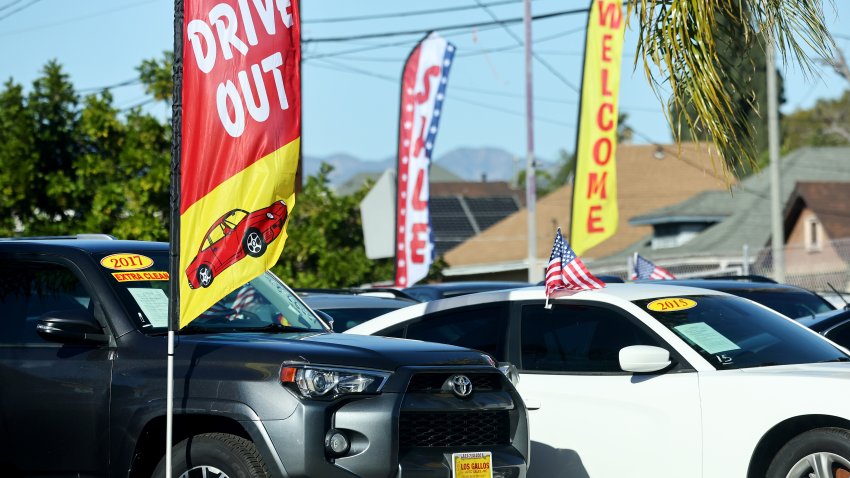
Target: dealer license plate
{"x":472,"y":465}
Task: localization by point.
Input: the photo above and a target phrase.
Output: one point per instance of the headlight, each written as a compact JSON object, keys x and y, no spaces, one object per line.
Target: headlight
{"x":330,"y":382}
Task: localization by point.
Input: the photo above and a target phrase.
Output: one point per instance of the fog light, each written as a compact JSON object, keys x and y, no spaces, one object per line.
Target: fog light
{"x":336,"y":443}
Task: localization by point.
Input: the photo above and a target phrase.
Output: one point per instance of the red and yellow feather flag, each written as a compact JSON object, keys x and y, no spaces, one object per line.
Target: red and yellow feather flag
{"x":595,"y":214}
{"x":239,"y":116}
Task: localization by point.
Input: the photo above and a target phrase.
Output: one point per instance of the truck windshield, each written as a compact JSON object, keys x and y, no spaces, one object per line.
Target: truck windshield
{"x":731,"y":332}
{"x":263,"y":304}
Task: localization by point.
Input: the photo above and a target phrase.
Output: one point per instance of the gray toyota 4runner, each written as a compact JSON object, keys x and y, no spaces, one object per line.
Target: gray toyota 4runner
{"x":262,"y":388}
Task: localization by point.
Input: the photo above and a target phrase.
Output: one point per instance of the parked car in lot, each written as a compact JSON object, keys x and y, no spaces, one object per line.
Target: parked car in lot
{"x":834,"y":325}
{"x":426,"y":292}
{"x":349,"y":308}
{"x":262,"y":388}
{"x":795,"y":302}
{"x":653,"y":380}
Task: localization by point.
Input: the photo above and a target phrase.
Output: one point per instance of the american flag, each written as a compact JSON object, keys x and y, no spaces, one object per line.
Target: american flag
{"x":246,"y":296}
{"x":566,"y":271}
{"x":644,"y":269}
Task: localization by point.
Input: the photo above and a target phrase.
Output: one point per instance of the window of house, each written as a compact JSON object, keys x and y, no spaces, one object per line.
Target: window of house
{"x":813,"y":234}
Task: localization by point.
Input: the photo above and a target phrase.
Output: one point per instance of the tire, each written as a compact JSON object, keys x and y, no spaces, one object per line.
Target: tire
{"x":205,"y":276}
{"x":253,"y":243}
{"x":214,"y":455}
{"x":819,"y":453}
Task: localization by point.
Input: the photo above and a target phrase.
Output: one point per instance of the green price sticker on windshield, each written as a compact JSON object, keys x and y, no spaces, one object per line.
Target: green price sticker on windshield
{"x":671,"y":304}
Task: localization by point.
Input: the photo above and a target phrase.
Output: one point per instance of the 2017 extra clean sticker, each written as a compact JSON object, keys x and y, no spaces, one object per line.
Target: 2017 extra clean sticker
{"x":126,"y":262}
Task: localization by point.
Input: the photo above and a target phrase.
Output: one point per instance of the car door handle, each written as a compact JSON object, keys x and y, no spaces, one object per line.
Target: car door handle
{"x":532,"y":404}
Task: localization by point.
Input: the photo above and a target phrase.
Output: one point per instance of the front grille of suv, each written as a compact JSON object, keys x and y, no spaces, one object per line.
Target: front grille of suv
{"x":433,"y":382}
{"x":436,"y":429}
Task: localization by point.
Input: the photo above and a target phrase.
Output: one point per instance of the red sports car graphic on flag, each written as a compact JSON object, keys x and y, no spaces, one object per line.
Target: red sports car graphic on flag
{"x":233,"y":236}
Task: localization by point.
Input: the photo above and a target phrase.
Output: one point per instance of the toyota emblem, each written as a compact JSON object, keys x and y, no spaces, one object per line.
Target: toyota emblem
{"x":461,"y":385}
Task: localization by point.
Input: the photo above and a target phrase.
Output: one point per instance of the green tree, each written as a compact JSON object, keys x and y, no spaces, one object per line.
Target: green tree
{"x":743,"y":59}
{"x":325,"y":246}
{"x":71,"y":166}
{"x":18,"y":157}
{"x":681,"y":45}
{"x":827,"y":123}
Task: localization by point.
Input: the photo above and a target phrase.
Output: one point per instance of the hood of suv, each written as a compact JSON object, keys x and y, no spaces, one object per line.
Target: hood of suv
{"x":365,"y":351}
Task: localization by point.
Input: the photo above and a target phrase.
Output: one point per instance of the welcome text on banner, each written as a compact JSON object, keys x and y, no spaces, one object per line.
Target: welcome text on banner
{"x":594,"y":209}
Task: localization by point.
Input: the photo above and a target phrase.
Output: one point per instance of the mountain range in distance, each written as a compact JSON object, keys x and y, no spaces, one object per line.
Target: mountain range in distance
{"x":468,"y":164}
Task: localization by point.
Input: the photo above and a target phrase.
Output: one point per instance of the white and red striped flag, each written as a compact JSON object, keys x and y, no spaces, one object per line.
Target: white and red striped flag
{"x":423,"y":91}
{"x":645,"y":269}
{"x":566,"y":271}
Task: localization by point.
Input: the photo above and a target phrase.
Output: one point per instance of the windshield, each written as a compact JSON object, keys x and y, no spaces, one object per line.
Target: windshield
{"x":793,"y":304}
{"x":345,"y":319}
{"x":264,"y":303}
{"x":731,"y":332}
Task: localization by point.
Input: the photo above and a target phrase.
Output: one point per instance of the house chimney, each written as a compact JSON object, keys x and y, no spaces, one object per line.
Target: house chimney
{"x":483,"y":177}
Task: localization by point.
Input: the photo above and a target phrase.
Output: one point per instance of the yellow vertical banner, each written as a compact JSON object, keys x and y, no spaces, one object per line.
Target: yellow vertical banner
{"x":594,"y":208}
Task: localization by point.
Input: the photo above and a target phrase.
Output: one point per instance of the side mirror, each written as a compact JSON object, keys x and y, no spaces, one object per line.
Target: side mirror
{"x":644,"y":358}
{"x":510,"y":371}
{"x":326,"y":317}
{"x":70,"y":326}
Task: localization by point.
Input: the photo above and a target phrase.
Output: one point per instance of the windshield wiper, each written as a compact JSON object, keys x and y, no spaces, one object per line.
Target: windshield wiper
{"x":837,"y":359}
{"x":229,"y":329}
{"x":279,"y":328}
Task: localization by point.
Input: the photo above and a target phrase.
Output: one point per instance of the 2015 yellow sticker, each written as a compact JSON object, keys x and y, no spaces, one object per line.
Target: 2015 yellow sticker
{"x":671,"y":304}
{"x":126,"y":262}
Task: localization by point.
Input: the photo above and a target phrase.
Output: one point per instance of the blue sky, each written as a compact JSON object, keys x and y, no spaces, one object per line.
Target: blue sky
{"x":351,"y":100}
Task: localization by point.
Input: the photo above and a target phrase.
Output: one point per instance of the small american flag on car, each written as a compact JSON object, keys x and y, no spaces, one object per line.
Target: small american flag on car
{"x":645,"y":269}
{"x":566,"y":271}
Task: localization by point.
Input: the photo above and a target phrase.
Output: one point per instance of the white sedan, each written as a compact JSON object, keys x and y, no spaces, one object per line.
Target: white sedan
{"x":642,"y":380}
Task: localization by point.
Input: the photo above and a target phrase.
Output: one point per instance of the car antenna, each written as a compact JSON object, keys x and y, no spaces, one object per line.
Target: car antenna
{"x":846,"y":304}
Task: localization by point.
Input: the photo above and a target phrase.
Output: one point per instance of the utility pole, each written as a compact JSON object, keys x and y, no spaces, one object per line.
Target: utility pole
{"x":534,"y":274}
{"x":777,"y":228}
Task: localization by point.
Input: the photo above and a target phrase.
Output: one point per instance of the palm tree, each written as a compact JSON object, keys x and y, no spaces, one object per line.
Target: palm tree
{"x":678,"y":46}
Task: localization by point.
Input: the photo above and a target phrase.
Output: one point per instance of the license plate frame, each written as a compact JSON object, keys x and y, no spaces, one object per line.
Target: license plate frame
{"x":474,"y":464}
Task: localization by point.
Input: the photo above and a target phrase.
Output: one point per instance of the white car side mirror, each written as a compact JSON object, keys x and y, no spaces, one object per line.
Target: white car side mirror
{"x":644,"y":358}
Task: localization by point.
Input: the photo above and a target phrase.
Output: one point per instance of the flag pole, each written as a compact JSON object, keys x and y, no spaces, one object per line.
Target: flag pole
{"x":174,"y":230}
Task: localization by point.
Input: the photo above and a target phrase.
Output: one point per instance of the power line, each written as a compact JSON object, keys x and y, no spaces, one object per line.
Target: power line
{"x":32,"y":2}
{"x":537,"y":57}
{"x":514,"y":47}
{"x":380,"y":46}
{"x":387,"y":59}
{"x":448,"y":27}
{"x":349,"y":69}
{"x":13,"y":3}
{"x":75,"y":19}
{"x":405,"y":14}
{"x":130,"y":82}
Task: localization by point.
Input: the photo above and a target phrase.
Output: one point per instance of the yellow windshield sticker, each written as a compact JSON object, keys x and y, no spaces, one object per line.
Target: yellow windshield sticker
{"x":140,"y":276}
{"x":671,"y":304}
{"x":126,"y":262}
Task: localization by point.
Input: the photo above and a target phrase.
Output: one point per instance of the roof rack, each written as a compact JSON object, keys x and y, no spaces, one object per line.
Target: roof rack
{"x":742,"y":278}
{"x":82,"y":237}
{"x":374,"y":291}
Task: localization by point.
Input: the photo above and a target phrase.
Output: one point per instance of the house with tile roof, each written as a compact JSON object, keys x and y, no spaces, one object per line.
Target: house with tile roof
{"x":649,"y":177}
{"x":723,"y":231}
{"x":817,"y":230}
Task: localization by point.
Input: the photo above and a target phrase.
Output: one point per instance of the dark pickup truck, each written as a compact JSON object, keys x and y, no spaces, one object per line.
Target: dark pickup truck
{"x":262,"y":387}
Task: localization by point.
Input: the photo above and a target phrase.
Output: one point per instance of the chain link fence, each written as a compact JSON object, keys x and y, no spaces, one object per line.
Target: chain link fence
{"x":819,"y":268}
